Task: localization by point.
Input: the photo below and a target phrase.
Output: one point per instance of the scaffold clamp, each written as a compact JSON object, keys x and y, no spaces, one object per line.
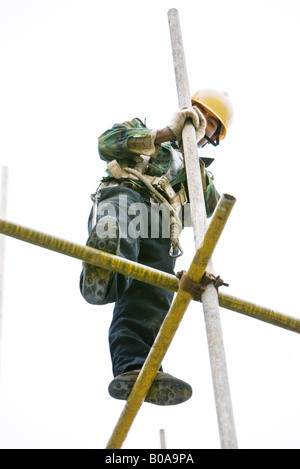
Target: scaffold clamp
{"x":197,"y":288}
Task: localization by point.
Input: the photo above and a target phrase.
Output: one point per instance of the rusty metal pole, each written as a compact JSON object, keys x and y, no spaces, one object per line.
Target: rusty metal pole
{"x":199,"y":221}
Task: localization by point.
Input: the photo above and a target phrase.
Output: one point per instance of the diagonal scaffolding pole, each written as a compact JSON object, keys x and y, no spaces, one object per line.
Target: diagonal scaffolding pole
{"x":142,"y":273}
{"x":198,"y":213}
{"x":170,"y":325}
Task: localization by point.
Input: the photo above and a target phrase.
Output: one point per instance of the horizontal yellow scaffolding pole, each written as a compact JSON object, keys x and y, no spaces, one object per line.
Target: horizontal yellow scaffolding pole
{"x":142,"y":273}
{"x":90,"y":255}
{"x":170,"y":324}
{"x":259,"y":312}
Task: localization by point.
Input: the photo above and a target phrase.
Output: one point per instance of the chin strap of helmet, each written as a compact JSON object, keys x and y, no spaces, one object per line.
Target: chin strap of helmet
{"x":217,"y":134}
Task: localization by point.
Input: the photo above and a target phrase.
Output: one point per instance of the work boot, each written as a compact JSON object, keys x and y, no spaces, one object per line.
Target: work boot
{"x":95,"y":281}
{"x":165,"y":389}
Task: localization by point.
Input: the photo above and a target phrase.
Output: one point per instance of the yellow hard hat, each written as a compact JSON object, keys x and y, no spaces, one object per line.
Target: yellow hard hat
{"x":218,"y":103}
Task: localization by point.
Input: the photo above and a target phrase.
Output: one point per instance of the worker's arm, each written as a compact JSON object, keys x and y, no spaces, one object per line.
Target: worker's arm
{"x":164,"y":135}
{"x":150,"y":145}
{"x":125,"y":141}
{"x":131,"y":138}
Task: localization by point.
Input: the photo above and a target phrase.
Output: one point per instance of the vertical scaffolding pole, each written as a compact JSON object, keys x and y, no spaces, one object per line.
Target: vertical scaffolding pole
{"x":199,"y":221}
{"x":162,"y":436}
{"x":2,"y":241}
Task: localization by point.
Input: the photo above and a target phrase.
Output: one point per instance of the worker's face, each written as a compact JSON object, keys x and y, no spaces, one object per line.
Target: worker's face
{"x":211,"y":124}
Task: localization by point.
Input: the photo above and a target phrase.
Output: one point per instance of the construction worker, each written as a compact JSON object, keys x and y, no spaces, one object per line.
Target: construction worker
{"x":145,"y":174}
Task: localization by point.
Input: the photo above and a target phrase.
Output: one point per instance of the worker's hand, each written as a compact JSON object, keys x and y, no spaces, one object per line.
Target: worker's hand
{"x":180,"y":117}
{"x":200,"y":130}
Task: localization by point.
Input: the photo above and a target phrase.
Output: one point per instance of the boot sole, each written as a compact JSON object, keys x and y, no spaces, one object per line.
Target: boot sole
{"x":165,"y":390}
{"x":96,"y":280}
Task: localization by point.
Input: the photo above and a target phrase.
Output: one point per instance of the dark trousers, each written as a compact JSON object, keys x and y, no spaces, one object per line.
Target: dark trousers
{"x":139,"y":308}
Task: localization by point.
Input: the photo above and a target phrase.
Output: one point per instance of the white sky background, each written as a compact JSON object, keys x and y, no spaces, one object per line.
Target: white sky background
{"x":69,"y":70}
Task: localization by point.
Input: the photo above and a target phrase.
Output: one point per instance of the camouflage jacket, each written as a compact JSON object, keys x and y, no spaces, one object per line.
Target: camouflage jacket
{"x":113,"y":145}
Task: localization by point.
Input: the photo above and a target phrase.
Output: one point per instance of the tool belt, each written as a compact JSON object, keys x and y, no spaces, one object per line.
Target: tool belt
{"x":160,"y":191}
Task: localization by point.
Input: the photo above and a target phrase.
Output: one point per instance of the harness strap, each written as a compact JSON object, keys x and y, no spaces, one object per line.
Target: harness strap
{"x":153,"y":183}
